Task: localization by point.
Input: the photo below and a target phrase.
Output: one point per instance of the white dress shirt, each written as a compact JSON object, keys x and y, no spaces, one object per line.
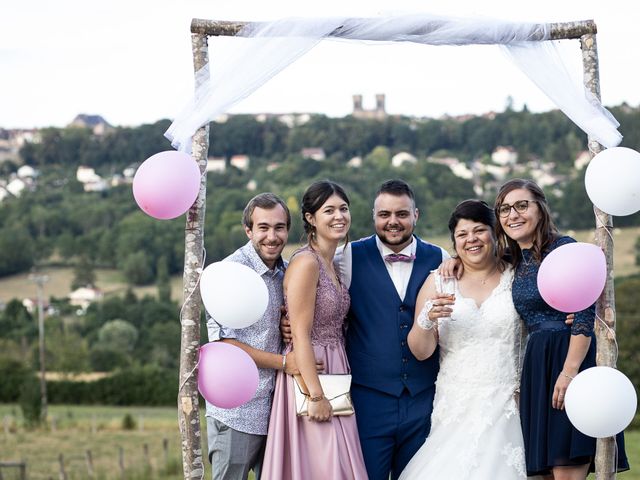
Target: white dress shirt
{"x":400,"y":272}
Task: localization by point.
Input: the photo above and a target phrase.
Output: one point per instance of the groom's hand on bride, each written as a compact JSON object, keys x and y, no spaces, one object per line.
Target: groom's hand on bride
{"x":285,"y":325}
{"x":451,"y":267}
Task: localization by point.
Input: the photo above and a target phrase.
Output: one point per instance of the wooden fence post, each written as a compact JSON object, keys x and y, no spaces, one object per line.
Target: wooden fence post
{"x":6,"y":423}
{"x":121,"y":461}
{"x":89,"y":458}
{"x":63,"y":473}
{"x":21,"y":465}
{"x":165,"y":449}
{"x":145,"y":453}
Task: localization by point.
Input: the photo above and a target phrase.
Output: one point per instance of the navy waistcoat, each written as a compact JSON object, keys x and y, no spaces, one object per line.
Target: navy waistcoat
{"x":379,"y":321}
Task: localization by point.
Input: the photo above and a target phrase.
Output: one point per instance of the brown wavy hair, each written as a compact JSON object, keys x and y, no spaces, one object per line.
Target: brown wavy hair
{"x":545,"y":232}
{"x":313,"y":198}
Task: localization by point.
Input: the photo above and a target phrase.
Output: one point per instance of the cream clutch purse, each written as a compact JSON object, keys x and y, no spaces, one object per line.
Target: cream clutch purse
{"x":336,"y":389}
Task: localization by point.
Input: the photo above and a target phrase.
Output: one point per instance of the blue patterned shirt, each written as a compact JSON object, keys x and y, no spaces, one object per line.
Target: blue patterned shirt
{"x":253,"y":416}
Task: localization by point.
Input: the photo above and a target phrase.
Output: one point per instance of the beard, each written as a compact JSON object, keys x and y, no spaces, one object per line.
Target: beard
{"x":404,"y":237}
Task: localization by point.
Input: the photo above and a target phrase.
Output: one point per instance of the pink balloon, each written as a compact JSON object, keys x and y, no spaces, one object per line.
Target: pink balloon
{"x":227,"y":375}
{"x":572,"y":277}
{"x":166,"y":184}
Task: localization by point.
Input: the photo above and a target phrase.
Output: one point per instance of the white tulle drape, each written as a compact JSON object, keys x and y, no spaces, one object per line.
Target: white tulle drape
{"x":261,"y":50}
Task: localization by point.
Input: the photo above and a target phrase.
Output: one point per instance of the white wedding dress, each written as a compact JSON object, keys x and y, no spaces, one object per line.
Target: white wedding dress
{"x":475,"y":425}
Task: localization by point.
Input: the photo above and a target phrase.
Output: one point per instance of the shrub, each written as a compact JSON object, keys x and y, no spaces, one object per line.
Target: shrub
{"x":30,"y":401}
{"x":128,"y":423}
{"x":13,"y":374}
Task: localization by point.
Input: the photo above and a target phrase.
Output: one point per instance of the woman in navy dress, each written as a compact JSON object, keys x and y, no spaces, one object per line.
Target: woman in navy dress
{"x":555,"y":352}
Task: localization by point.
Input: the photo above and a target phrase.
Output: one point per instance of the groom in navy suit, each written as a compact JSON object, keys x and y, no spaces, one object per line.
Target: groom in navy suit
{"x":392,"y":391}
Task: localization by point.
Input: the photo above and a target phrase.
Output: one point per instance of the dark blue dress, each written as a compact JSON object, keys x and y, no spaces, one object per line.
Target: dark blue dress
{"x":549,"y":438}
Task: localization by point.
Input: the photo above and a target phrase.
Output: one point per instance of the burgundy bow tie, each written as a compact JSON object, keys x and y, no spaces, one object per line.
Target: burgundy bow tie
{"x":399,"y":257}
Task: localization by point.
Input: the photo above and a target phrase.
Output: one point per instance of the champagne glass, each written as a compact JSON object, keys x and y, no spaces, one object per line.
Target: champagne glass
{"x":447,"y":286}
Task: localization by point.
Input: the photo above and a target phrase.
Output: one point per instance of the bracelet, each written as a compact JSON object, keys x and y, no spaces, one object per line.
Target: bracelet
{"x":565,"y":375}
{"x":284,"y":362}
{"x":424,"y":321}
{"x":316,"y":399}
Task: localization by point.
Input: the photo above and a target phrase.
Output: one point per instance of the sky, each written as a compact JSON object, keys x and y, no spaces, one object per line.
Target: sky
{"x":130,"y":61}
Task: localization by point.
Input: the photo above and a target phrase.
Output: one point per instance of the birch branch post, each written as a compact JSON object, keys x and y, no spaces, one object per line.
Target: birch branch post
{"x":188,"y":409}
{"x":605,"y":306}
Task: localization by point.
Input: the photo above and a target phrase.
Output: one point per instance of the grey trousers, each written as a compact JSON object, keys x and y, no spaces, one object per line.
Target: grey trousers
{"x":232,"y":453}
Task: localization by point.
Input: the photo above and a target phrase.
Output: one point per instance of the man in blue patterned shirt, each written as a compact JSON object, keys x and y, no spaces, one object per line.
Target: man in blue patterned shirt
{"x":237,"y":436}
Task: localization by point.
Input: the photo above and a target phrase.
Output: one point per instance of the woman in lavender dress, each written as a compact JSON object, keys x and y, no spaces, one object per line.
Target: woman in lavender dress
{"x":321,"y":445}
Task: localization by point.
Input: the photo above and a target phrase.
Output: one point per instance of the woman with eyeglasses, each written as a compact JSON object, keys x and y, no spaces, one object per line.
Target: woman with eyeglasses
{"x":555,"y":352}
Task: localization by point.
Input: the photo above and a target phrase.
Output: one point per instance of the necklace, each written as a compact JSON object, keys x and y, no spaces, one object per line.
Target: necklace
{"x":489,"y":275}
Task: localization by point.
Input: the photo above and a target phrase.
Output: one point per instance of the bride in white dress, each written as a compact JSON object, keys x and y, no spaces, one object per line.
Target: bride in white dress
{"x":475,"y":426}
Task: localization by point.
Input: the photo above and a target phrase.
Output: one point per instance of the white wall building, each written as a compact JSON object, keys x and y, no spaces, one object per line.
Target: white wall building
{"x":504,"y":156}
{"x":402,"y":157}
{"x":216,"y":164}
{"x":240,"y":161}
{"x":87,"y":175}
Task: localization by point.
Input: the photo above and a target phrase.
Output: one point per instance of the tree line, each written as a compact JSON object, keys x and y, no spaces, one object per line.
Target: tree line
{"x":58,"y":221}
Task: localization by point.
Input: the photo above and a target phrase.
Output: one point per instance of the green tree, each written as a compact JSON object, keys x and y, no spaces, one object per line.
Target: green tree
{"x":163,"y":281}
{"x":16,"y":250}
{"x":83,"y":274}
{"x":136,"y":268}
{"x":67,"y":352}
{"x":379,"y":157}
{"x":16,"y":323}
{"x":119,"y":335}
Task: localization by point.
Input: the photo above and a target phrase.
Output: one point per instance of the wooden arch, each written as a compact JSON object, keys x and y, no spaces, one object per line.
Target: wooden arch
{"x":188,"y":408}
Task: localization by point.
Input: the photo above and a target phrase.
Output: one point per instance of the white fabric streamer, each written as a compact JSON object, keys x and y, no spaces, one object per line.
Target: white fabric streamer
{"x":262,"y":50}
{"x":542,"y":63}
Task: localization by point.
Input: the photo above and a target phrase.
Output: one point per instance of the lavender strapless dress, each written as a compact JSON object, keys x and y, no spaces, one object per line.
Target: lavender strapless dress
{"x":298,"y":448}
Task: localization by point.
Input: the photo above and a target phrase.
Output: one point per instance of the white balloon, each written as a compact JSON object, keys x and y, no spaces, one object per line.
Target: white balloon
{"x":233,"y":294}
{"x":612,"y":181}
{"x":601,"y":402}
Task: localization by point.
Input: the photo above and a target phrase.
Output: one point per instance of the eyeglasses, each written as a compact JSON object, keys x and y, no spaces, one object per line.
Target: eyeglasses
{"x":520,"y":206}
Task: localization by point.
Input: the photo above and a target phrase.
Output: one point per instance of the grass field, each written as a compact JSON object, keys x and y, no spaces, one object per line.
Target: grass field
{"x":99,"y":429}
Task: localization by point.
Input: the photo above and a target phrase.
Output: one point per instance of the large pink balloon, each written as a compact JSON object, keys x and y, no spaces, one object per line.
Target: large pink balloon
{"x":572,"y":277}
{"x":166,"y":184}
{"x":227,"y":375}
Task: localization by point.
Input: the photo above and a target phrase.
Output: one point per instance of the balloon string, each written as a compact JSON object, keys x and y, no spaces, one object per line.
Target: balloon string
{"x":188,"y":377}
{"x":199,"y":270}
{"x":615,"y":457}
{"x":599,"y":224}
{"x":612,"y":333}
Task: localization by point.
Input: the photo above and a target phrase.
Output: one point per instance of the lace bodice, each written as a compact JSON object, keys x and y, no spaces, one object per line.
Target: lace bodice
{"x":332,"y":305}
{"x":481,"y":343}
{"x":475,"y":426}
